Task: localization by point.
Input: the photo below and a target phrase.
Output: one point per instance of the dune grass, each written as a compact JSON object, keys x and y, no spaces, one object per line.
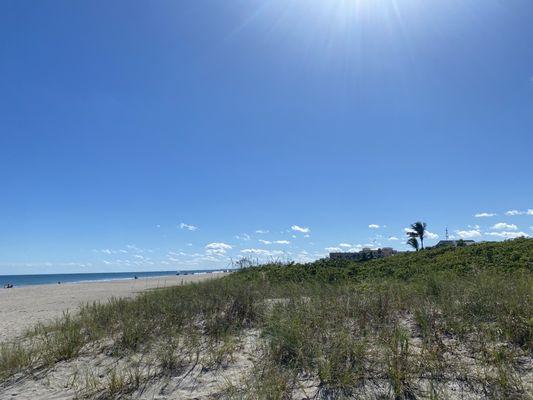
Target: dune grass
{"x":411,"y":326}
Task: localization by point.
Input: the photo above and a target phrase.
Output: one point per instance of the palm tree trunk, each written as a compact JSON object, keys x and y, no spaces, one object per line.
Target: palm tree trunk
{"x":422,"y":242}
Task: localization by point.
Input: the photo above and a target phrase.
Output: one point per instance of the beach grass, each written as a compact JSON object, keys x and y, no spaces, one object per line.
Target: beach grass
{"x":417,"y":325}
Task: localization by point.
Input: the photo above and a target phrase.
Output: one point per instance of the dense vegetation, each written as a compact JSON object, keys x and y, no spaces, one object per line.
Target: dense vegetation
{"x":438,"y":323}
{"x":505,"y":257}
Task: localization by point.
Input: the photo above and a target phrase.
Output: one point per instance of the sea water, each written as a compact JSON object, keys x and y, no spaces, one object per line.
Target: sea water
{"x":44,"y":279}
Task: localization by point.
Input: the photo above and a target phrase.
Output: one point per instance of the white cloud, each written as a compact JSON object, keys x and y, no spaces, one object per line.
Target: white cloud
{"x":307,"y":236}
{"x":303,"y":256}
{"x":255,"y":251}
{"x":373,"y":226}
{"x":333,"y":249}
{"x":431,"y":235}
{"x":219,"y":245}
{"x":262,"y":252}
{"x":513,"y":212}
{"x":121,"y":251}
{"x":135,"y":249}
{"x":507,"y":235}
{"x":217,"y":248}
{"x":174,"y":254}
{"x":243,"y":236}
{"x":47,"y":264}
{"x":485,"y":215}
{"x":274,"y":242}
{"x":188,"y":227}
{"x":393,"y":238}
{"x":297,"y":228}
{"x":474,"y":233}
{"x":345,"y":245}
{"x":502,"y":226}
{"x":519,"y":212}
{"x":261,"y":231}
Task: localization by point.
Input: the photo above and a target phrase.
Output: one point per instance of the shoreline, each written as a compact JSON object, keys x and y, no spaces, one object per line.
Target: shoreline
{"x":22,"y":307}
{"x":130,"y":276}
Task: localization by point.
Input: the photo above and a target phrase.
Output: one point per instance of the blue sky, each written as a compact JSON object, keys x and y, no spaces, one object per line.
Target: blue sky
{"x":167,"y":134}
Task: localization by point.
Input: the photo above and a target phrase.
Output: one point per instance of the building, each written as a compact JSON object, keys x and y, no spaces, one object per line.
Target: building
{"x":455,"y":243}
{"x":365,"y":254}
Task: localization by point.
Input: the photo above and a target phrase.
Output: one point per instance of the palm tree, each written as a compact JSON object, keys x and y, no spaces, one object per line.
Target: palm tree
{"x":418,"y":230}
{"x":413,"y":242}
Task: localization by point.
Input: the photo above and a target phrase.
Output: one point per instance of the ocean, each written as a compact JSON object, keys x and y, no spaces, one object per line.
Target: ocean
{"x":26,"y":280}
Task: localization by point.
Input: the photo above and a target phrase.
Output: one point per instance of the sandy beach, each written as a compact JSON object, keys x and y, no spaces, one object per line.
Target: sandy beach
{"x":21,"y":308}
